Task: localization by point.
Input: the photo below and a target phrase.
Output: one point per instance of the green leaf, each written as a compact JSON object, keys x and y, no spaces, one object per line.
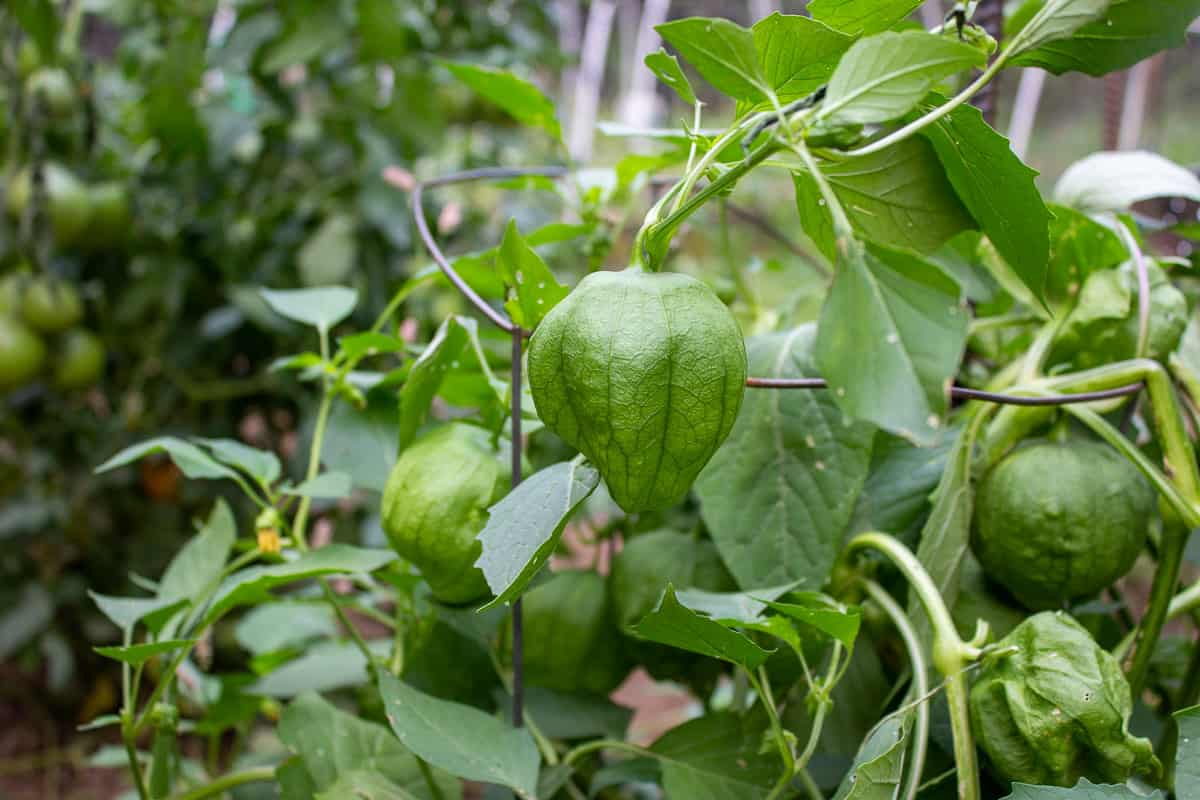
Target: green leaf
{"x":332,"y":745}
{"x":311,"y":30}
{"x":841,"y":625}
{"x":861,"y":17}
{"x":667,"y":68}
{"x":1055,"y":19}
{"x":573,"y":716}
{"x":30,"y":615}
{"x":717,"y":757}
{"x":733,"y":608}
{"x":1114,"y":181}
{"x":1079,"y":246}
{"x":884,"y":76}
{"x":797,"y":53}
{"x":40,"y":21}
{"x":879,"y":765}
{"x":444,"y":355}
{"x":900,"y":195}
{"x":328,"y":256}
{"x":362,"y":443}
{"x":259,"y":464}
{"x":672,"y":623}
{"x":125,"y":612}
{"x":323,"y":668}
{"x":369,"y":343}
{"x":619,"y":773}
{"x":997,"y":188}
{"x":460,"y":739}
{"x":891,"y":336}
{"x":191,"y":460}
{"x":896,"y":494}
{"x":366,"y":784}
{"x":138,"y":654}
{"x":321,"y":308}
{"x":278,"y":626}
{"x":947,"y":533}
{"x":253,"y":584}
{"x":1083,"y":790}
{"x":1187,"y":754}
{"x":523,"y":101}
{"x":200,"y":562}
{"x":721,"y":51}
{"x":1116,"y":38}
{"x":326,"y":486}
{"x":524,"y":527}
{"x":522,"y":269}
{"x":778,"y":494}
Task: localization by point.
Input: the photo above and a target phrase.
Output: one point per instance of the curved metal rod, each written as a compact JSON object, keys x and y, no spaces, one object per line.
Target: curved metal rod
{"x":418,"y":213}
{"x":504,"y":323}
{"x":965,"y":393}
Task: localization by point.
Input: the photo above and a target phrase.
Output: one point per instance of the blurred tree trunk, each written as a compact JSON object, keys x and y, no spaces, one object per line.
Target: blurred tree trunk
{"x":596,"y":33}
{"x":570,"y":37}
{"x":1025,"y":107}
{"x":639,"y":105}
{"x":990,"y":16}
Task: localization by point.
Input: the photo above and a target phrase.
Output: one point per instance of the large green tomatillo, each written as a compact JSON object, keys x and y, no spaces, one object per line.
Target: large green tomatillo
{"x":643,"y":373}
{"x":1055,"y":522}
{"x":436,"y":501}
{"x":1053,"y":707}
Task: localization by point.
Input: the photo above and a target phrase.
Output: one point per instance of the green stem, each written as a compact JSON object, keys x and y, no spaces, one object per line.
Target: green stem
{"x":763,"y":687}
{"x":129,"y":735}
{"x":686,"y":188}
{"x":655,"y":233}
{"x":227,"y":782}
{"x":1180,"y":462}
{"x":606,"y":744}
{"x":1170,"y":559}
{"x":950,"y":654}
{"x":299,"y":536}
{"x":427,"y":774}
{"x":842,"y":229}
{"x":1186,"y":601}
{"x":920,"y":672}
{"x":810,"y":785}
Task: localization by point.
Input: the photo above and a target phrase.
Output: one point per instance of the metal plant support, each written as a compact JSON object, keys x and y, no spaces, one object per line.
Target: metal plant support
{"x":519,"y":335}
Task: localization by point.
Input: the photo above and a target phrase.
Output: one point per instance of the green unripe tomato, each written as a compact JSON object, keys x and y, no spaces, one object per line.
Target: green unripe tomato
{"x":79,"y":362}
{"x":571,"y":643}
{"x":643,"y":373}
{"x":51,"y":306}
{"x":1059,"y":521}
{"x":1056,"y":708}
{"x":436,"y":501}
{"x":22,"y":353}
{"x":110,"y":217}
{"x":11,"y":290}
{"x":67,"y":200}
{"x":54,"y":90}
{"x":29,"y":58}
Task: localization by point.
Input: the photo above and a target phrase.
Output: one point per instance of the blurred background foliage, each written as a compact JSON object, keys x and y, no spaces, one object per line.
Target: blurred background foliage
{"x":173,"y":155}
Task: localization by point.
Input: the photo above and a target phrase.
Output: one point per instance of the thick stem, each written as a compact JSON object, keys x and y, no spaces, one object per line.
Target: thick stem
{"x":763,"y":688}
{"x":920,"y":672}
{"x":129,"y":734}
{"x":1170,"y":559}
{"x":1186,"y":601}
{"x":950,"y":654}
{"x":964,"y":744}
{"x":227,"y":782}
